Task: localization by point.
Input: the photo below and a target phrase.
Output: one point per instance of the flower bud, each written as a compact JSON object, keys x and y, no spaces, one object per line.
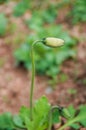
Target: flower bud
{"x":53,"y":42}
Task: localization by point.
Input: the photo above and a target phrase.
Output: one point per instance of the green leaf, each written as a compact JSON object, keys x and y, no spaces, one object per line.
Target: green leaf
{"x":78,"y":12}
{"x":80,"y":118}
{"x":6,"y":121}
{"x":18,"y":121}
{"x":24,"y":113}
{"x":75,"y":126}
{"x":72,"y":111}
{"x":40,"y":115}
{"x":65,"y":113}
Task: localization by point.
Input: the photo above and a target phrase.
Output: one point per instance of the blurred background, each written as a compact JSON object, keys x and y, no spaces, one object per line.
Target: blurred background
{"x":60,"y":73}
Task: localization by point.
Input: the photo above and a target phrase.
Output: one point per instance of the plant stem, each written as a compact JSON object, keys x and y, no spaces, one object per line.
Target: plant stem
{"x":50,"y":115}
{"x":50,"y":120}
{"x":67,"y":124}
{"x":32,"y":79}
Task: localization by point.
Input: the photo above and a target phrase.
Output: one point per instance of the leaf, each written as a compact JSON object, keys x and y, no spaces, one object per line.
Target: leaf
{"x":65,"y":113}
{"x":18,"y":122}
{"x":40,"y":115}
{"x":72,"y":111}
{"x":24,"y":113}
{"x":6,"y":121}
{"x":80,"y":118}
{"x":75,"y":126}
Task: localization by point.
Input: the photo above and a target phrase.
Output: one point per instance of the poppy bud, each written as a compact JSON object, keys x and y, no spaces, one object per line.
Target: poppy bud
{"x":53,"y":42}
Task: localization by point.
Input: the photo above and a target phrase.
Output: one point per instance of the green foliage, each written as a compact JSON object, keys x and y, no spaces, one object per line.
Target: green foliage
{"x":65,"y":113}
{"x":18,"y":122}
{"x":6,"y":121}
{"x":21,"y":7}
{"x":3,"y":24}
{"x":3,"y":1}
{"x":40,"y":113}
{"x":53,"y":58}
{"x":55,"y":116}
{"x":10,"y":122}
{"x":48,"y":14}
{"x":78,"y":12}
{"x":76,"y":120}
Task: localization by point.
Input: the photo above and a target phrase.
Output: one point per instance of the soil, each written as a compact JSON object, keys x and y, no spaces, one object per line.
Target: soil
{"x":15,"y":81}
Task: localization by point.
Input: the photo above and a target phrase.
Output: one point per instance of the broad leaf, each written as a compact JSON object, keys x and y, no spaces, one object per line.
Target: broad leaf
{"x":6,"y":121}
{"x":18,"y":122}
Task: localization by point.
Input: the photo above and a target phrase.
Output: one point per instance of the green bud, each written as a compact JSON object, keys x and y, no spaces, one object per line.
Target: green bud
{"x":53,"y":42}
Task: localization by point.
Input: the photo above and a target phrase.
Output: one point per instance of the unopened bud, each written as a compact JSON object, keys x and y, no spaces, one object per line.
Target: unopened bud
{"x":53,"y":42}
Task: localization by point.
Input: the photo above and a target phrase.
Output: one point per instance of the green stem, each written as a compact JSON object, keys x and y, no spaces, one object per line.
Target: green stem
{"x":50,"y":115}
{"x":50,"y":120}
{"x":32,"y":79}
{"x":67,"y":124}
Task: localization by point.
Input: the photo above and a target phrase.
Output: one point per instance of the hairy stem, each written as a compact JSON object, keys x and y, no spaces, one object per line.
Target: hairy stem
{"x":32,"y":79}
